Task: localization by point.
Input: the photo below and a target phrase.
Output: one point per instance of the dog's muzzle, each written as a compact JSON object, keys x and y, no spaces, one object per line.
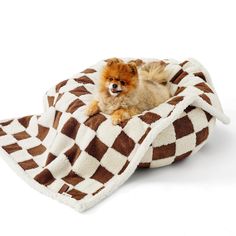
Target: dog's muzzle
{"x":114,"y":89}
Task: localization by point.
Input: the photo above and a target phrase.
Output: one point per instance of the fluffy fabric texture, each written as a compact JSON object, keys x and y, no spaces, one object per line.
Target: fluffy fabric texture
{"x":80,"y":160}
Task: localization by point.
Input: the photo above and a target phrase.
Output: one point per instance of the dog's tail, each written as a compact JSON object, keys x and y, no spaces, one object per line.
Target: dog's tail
{"x":155,"y":72}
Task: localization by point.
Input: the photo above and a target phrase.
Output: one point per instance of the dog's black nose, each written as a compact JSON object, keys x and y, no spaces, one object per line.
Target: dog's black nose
{"x":114,"y":86}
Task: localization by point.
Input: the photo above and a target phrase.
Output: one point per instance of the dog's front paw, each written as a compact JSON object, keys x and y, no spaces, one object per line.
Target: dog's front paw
{"x":92,"y":109}
{"x":116,"y":119}
{"x":119,"y":116}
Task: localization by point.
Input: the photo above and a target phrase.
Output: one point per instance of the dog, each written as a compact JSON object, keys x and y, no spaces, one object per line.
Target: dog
{"x":125,"y":92}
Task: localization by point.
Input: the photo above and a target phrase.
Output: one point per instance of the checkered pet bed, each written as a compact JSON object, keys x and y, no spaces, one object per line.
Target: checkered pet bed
{"x":80,"y":160}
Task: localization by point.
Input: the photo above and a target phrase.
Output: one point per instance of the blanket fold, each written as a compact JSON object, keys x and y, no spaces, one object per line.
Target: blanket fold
{"x":79,"y":160}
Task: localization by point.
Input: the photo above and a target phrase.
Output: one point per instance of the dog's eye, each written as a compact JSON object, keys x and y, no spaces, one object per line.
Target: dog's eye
{"x":122,"y":82}
{"x":110,"y":78}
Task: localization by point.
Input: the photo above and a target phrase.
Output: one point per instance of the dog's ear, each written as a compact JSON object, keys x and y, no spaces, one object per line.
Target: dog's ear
{"x":133,"y":68}
{"x":137,"y":62}
{"x":112,"y":61}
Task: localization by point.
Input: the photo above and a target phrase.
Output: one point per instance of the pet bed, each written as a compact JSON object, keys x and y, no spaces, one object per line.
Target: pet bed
{"x":79,"y":160}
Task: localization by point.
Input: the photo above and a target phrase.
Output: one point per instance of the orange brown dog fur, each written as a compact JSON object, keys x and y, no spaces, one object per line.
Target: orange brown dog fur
{"x":124,"y":93}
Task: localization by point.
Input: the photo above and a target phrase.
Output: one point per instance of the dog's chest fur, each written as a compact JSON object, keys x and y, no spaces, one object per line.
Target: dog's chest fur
{"x":146,"y":96}
{"x":109,"y":104}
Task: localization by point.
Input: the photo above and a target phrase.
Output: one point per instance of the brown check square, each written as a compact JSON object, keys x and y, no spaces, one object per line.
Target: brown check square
{"x":149,"y":117}
{"x":12,"y":148}
{"x":183,"y":127}
{"x":178,"y":76}
{"x":24,"y":121}
{"x":205,"y":98}
{"x":7,"y":122}
{"x":76,"y":194}
{"x":28,"y":164}
{"x":182,"y":156}
{"x":204,"y":87}
{"x":70,"y":128}
{"x":50,"y":158}
{"x":57,"y":117}
{"x":102,"y":175}
{"x":94,"y":121}
{"x":84,"y":80}
{"x":2,"y":133}
{"x":38,"y":150}
{"x":123,"y":144}
{"x":64,"y":188}
{"x":202,"y":135}
{"x":21,"y":135}
{"x":42,"y":132}
{"x":79,"y":91}
{"x":73,"y":153}
{"x":72,"y":178}
{"x":88,"y":71}
{"x":61,"y":84}
{"x":45,"y":177}
{"x":164,"y":151}
{"x":96,"y":148}
{"x":175,"y":100}
{"x":74,"y":106}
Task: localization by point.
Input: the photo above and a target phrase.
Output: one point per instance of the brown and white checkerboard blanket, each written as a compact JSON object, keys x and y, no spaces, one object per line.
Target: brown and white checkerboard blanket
{"x":79,"y":160}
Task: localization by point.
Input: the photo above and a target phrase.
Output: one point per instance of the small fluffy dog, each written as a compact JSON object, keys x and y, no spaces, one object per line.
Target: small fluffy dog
{"x":123,"y":92}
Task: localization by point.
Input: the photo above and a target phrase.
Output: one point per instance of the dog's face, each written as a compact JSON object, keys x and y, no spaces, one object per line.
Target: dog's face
{"x":119,"y":78}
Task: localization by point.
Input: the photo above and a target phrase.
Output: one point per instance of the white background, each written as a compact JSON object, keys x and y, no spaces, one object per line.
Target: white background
{"x":44,"y":42}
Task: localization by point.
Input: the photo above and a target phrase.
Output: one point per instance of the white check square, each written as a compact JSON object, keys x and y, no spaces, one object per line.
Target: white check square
{"x":113,"y":161}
